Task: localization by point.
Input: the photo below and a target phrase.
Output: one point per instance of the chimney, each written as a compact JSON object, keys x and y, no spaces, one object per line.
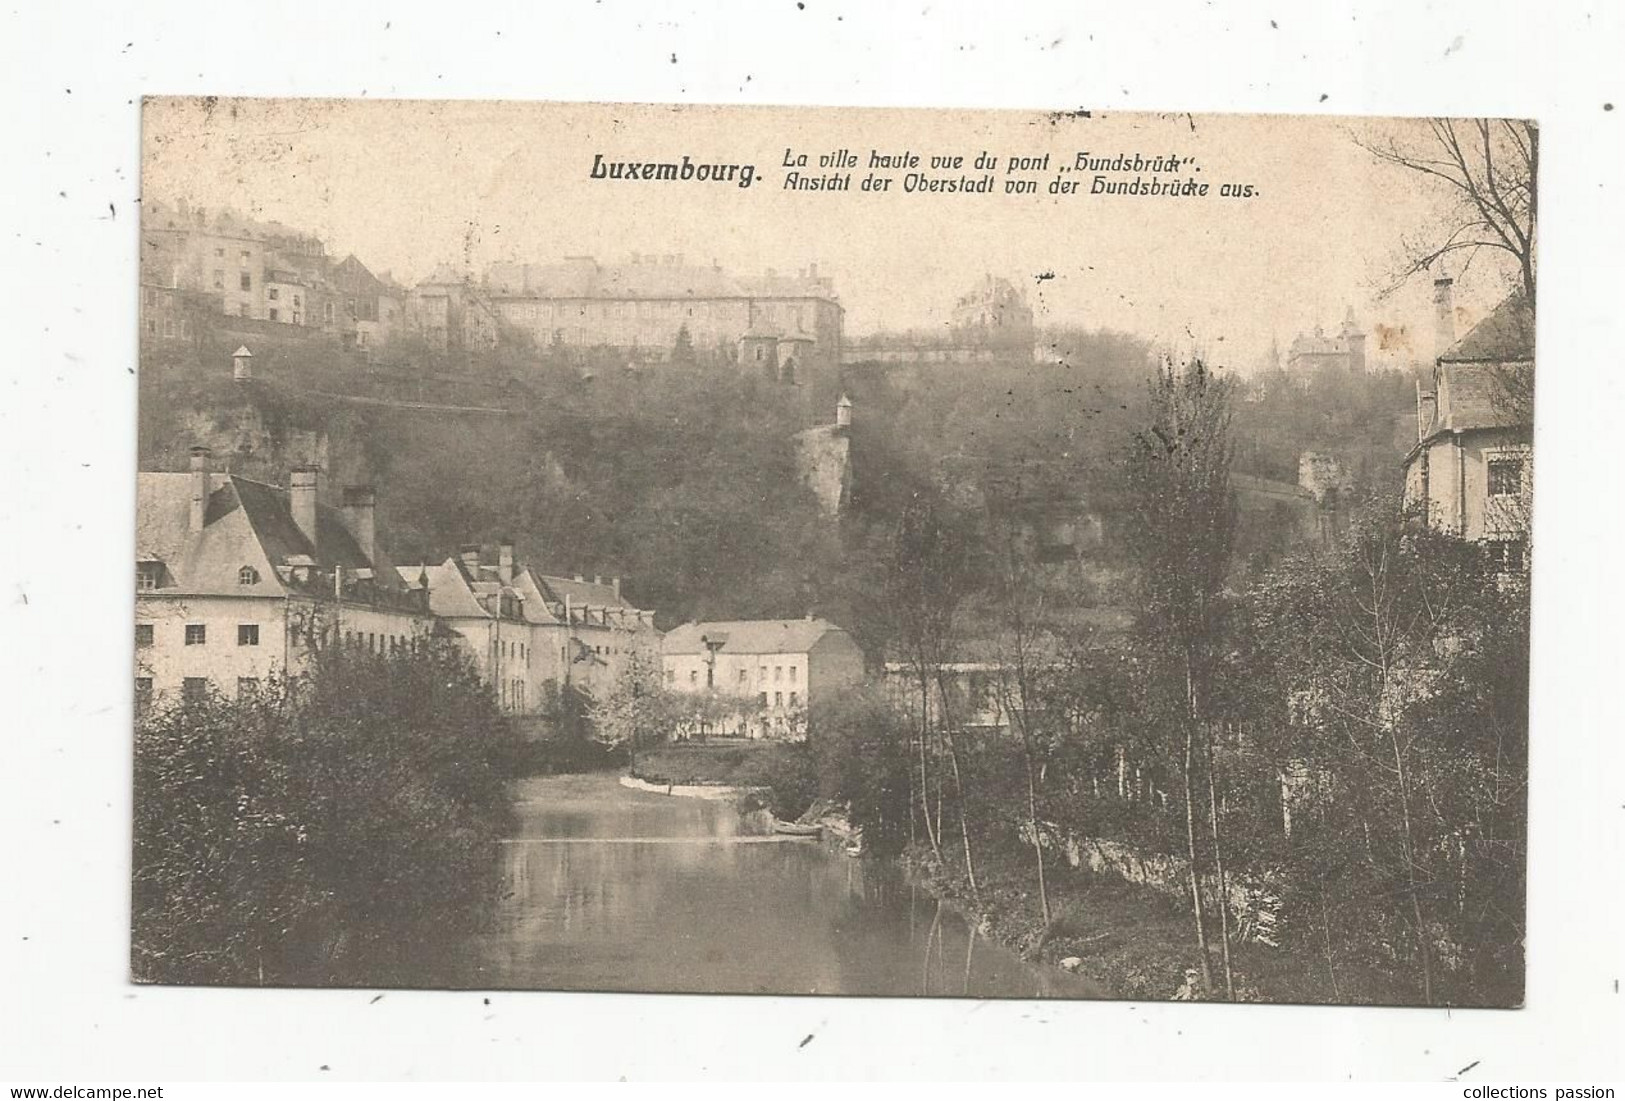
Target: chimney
{"x":201,"y":488}
{"x":241,"y":370}
{"x":505,"y":561}
{"x":359,"y":517}
{"x":615,"y":582}
{"x":843,"y":412}
{"x":302,"y":482}
{"x":579,"y":578}
{"x":470,"y":554}
{"x":597,"y":579}
{"x":1444,"y":315}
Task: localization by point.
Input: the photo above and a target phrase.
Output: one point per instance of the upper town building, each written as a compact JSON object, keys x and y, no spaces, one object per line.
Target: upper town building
{"x":994,"y":312}
{"x":1471,"y":470}
{"x":638,"y":308}
{"x":261,"y":271}
{"x":1319,"y":352}
{"x":238,"y":581}
{"x":768,"y":671}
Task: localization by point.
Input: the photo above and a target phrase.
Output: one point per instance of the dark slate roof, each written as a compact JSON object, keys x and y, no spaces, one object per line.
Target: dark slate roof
{"x":579,"y":593}
{"x":1507,"y":335}
{"x":245,"y":523}
{"x":750,"y":636}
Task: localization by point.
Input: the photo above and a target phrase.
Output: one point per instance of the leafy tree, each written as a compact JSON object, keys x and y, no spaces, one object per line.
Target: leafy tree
{"x":277,"y":834}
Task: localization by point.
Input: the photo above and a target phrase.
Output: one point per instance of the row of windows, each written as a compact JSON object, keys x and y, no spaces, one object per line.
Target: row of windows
{"x":170,"y":327}
{"x":197,"y":634}
{"x":192,"y":689}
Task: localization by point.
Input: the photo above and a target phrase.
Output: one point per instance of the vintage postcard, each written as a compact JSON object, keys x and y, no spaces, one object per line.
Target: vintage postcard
{"x":830,"y":551}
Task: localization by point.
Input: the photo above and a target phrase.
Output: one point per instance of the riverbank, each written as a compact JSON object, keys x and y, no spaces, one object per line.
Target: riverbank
{"x":1130,"y":939}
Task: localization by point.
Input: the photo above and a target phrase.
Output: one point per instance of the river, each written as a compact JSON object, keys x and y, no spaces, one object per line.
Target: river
{"x":606,"y":888}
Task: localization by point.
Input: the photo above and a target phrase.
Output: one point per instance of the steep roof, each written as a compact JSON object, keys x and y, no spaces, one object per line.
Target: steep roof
{"x":245,"y":523}
{"x":1506,"y":335}
{"x":750,"y":636}
{"x":584,"y":278}
{"x":449,"y":593}
{"x":1470,"y":381}
{"x":580,"y":593}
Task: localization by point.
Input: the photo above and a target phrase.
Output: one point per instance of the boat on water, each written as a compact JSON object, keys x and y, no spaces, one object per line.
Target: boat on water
{"x":796,"y":829}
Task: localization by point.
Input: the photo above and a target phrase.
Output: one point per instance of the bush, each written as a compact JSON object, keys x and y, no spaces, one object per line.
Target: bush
{"x":362,"y":799}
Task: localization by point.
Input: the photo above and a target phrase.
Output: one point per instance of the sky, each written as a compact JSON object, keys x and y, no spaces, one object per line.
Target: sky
{"x":408,"y":185}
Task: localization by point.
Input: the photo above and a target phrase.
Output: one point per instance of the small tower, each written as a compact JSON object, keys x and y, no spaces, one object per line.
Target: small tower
{"x":843,"y":412}
{"x":241,"y":370}
{"x":1354,"y":341}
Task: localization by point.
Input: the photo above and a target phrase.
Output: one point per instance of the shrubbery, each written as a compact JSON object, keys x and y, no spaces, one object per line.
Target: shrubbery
{"x":271,"y":833}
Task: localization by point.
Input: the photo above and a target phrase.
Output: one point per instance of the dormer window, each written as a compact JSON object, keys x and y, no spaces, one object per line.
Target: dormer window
{"x":248,"y":575}
{"x":146,"y":575}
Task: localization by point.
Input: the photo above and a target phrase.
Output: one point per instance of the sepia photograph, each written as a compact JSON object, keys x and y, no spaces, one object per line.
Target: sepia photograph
{"x":833,"y":551}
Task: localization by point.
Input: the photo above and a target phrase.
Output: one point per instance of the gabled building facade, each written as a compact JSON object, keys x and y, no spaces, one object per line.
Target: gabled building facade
{"x":770,"y":671}
{"x":239,"y":581}
{"x":1472,"y":467}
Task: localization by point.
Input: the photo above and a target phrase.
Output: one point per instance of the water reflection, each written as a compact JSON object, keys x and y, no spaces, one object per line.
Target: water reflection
{"x":611,"y":889}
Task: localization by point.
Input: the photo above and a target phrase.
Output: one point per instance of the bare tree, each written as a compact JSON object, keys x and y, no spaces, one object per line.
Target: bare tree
{"x":1488,"y":168}
{"x":1182,"y":529}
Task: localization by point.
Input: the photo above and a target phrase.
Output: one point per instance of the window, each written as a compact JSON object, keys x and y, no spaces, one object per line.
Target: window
{"x":242,"y":258}
{"x":143,"y":634}
{"x":792,"y":674}
{"x":248,"y":634}
{"x":247,"y":687}
{"x":694,"y":676}
{"x":219,"y":280}
{"x":744,"y":676}
{"x":671,"y":676}
{"x":778,"y":699}
{"x":169,"y":326}
{"x":792,"y":699}
{"x":220,"y":252}
{"x":778,"y":673}
{"x":245,"y":281}
{"x":150,"y":296}
{"x":296,"y":302}
{"x":194,"y":689}
{"x":763,"y":699}
{"x":761,"y":674}
{"x":327,"y":312}
{"x":274,"y":313}
{"x":1506,"y":555}
{"x":1506,"y":477}
{"x":143,"y":694}
{"x":242,"y":309}
{"x":248,"y":575}
{"x":146,"y":575}
{"x":272,"y":294}
{"x":196,"y":634}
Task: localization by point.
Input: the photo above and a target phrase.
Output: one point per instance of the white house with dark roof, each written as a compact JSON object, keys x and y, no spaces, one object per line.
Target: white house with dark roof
{"x":238,"y":581}
{"x":525,"y":629}
{"x":774,"y":668}
{"x":1471,"y":466}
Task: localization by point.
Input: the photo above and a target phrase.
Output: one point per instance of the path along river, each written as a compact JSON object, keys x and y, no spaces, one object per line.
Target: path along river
{"x":608,"y":888}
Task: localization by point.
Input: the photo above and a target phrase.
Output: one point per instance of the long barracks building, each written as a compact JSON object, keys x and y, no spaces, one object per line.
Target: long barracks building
{"x":639,"y":307}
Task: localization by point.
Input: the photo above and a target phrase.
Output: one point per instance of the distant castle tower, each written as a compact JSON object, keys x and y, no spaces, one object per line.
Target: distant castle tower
{"x":1345,"y":351}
